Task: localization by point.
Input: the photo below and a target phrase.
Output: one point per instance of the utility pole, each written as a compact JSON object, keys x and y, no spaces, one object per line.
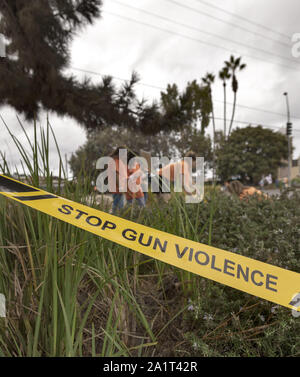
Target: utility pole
{"x":288,"y":134}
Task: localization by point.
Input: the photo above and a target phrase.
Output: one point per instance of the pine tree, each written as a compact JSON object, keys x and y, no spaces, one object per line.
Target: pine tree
{"x":32,"y":77}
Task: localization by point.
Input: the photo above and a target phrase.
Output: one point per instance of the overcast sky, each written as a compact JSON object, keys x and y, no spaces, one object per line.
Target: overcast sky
{"x":187,"y":39}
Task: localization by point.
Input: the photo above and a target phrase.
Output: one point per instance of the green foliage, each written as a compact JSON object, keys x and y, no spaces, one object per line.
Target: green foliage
{"x":226,"y":322}
{"x":71,"y":293}
{"x":170,"y":144}
{"x":188,"y":108}
{"x":296,"y":182}
{"x":246,"y":153}
{"x":104,"y":142}
{"x":191,"y":138}
{"x":182,"y":114}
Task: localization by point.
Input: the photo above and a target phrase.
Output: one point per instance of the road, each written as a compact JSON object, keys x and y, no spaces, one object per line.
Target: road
{"x":275,"y":192}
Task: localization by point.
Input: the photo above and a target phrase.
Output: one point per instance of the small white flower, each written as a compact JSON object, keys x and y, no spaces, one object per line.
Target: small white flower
{"x":2,"y":306}
{"x":208,"y":317}
{"x":273,"y":309}
{"x":262,"y":318}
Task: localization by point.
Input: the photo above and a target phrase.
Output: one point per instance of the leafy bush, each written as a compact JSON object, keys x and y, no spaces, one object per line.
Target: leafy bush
{"x":222,"y":321}
{"x":296,"y":182}
{"x":219,"y":320}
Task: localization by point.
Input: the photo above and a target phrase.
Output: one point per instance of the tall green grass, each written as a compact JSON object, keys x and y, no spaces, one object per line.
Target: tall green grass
{"x":71,"y":293}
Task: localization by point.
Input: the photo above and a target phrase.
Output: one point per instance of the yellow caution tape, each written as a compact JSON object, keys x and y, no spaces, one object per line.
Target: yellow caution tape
{"x":260,"y":279}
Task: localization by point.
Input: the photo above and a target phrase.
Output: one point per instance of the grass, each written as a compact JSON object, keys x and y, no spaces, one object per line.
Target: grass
{"x":70,"y":293}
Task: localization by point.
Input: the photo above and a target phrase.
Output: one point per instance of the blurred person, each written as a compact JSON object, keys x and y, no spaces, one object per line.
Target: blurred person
{"x":134,"y":191}
{"x":243,"y":192}
{"x":117,"y":178}
{"x":146,"y":169}
{"x":171,"y":172}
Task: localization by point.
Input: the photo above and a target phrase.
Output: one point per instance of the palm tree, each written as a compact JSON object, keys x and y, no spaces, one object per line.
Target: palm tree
{"x":209,"y":80}
{"x":234,"y":65}
{"x":224,"y":75}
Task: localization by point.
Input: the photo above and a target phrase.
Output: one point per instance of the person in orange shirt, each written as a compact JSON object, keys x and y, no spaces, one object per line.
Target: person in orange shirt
{"x":243,"y":192}
{"x":172,"y":172}
{"x":117,"y":179}
{"x":134,"y":191}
